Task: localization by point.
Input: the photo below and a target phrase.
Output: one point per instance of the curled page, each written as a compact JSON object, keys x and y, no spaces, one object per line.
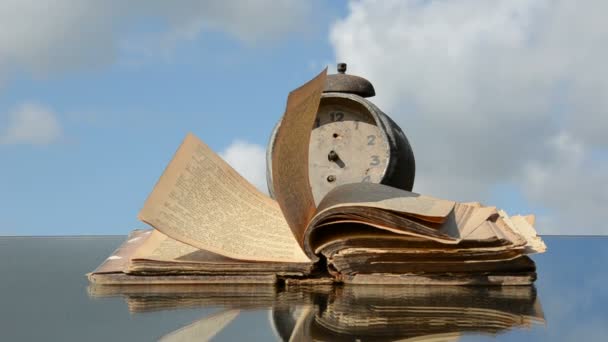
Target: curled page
{"x":383,"y":197}
{"x":290,"y":156}
{"x":201,"y":201}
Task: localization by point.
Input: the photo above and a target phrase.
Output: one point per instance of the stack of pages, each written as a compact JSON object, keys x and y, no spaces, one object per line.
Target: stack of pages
{"x":212,"y":226}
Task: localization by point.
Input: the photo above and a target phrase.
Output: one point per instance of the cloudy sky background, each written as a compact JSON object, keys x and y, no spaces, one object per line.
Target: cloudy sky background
{"x":503,"y":102}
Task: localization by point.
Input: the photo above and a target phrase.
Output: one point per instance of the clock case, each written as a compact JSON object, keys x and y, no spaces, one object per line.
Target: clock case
{"x":400,"y":170}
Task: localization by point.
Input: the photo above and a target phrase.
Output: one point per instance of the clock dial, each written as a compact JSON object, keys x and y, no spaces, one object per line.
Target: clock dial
{"x":346,"y":147}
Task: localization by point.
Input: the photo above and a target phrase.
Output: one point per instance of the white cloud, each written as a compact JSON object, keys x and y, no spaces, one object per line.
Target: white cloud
{"x":31,"y":124}
{"x":572,"y":184}
{"x":247,"y":20}
{"x":45,"y":37}
{"x":42,"y":36}
{"x":249,"y":160}
{"x":493,"y":92}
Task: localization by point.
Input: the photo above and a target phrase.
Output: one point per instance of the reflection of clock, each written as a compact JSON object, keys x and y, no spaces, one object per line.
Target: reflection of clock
{"x":353,"y":141}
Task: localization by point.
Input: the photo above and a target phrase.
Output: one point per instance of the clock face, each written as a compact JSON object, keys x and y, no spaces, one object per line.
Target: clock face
{"x":346,"y":146}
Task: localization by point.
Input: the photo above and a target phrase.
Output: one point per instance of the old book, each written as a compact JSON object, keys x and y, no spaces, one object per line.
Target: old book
{"x":211,"y":225}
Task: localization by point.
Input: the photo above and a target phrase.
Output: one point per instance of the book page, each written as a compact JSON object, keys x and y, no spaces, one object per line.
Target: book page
{"x":521,"y":224}
{"x":378,"y":196}
{"x":471,"y":221}
{"x":161,"y":247}
{"x":201,"y":201}
{"x":290,"y":155}
{"x":531,"y":219}
{"x":119,"y":259}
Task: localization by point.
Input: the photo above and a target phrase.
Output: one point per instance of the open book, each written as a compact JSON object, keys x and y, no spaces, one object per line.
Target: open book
{"x":211,"y":225}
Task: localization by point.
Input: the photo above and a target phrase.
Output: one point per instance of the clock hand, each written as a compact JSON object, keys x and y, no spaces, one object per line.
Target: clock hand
{"x":334,"y":157}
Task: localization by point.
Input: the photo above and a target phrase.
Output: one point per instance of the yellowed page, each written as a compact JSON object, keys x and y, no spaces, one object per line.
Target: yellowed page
{"x":531,"y":219}
{"x":534,"y":243}
{"x":119,"y":259}
{"x":472,"y":221}
{"x":204,"y":329}
{"x":484,"y":231}
{"x":201,"y":201}
{"x":290,"y":156}
{"x":163,"y":248}
{"x":384,"y":197}
{"x":506,"y":230}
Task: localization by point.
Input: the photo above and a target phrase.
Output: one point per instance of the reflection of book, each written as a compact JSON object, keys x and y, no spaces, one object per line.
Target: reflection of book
{"x":212,"y":226}
{"x":409,"y":312}
{"x":162,"y":297}
{"x":419,"y":313}
{"x":348,"y":313}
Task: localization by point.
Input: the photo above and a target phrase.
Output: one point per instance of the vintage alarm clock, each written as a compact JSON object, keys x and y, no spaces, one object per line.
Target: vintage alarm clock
{"x":352,"y":140}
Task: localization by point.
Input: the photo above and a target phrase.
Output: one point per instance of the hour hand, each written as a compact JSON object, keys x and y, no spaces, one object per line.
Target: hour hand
{"x":334,"y":157}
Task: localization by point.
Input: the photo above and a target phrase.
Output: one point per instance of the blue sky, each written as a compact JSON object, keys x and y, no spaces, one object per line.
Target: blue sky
{"x":121,"y":122}
{"x":96,"y":96}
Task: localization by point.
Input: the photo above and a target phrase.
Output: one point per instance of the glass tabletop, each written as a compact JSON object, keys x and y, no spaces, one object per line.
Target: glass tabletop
{"x":45,"y":296}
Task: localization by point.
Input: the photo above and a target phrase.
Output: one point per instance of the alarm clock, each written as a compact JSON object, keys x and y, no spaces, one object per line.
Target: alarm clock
{"x":352,"y":140}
